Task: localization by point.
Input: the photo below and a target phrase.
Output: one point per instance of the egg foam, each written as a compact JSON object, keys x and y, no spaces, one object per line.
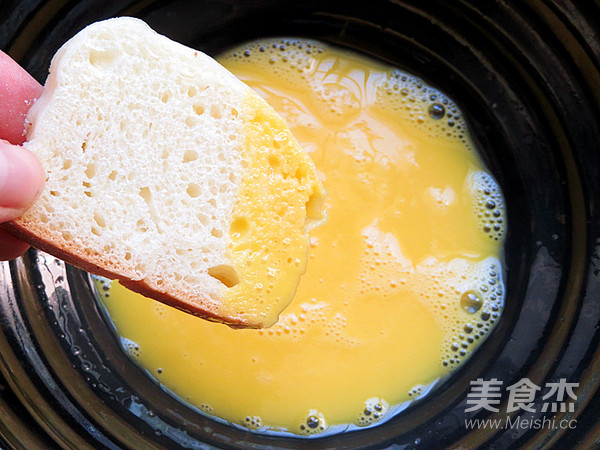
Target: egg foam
{"x":403,"y":282}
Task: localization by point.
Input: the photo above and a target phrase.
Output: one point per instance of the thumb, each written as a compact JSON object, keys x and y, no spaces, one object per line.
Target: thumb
{"x":22,"y":180}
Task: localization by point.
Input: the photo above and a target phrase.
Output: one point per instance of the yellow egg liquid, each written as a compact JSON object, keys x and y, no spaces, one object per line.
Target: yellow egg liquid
{"x":403,"y":281}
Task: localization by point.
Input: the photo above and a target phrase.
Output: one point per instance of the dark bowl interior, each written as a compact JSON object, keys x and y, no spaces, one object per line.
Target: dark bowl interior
{"x":527,"y":75}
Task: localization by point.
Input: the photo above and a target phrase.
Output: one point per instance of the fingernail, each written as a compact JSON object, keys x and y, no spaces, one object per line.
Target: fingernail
{"x":21,"y":179}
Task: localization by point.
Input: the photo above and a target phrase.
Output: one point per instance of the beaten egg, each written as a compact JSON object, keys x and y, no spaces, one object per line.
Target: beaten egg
{"x":403,"y":281}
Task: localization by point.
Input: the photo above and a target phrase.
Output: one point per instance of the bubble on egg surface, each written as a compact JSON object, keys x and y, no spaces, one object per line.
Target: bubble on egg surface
{"x":416,"y":391}
{"x":471,"y":302}
{"x":131,"y":348}
{"x":374,"y":410}
{"x":488,"y":205}
{"x":160,"y":308}
{"x":285,"y":55}
{"x":313,"y":423}
{"x":425,"y":108}
{"x":309,"y":64}
{"x":474,"y":305}
{"x":436,"y":111}
{"x":252,"y":422}
{"x":102,"y":284}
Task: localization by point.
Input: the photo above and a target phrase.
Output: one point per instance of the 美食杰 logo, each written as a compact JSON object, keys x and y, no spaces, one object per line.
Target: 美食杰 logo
{"x":488,"y":395}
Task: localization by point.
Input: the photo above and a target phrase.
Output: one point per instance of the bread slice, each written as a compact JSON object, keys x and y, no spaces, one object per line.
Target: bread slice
{"x":167,"y":172}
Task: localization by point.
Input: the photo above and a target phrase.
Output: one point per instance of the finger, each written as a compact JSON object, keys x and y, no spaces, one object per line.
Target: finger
{"x":22,"y":180}
{"x":18,"y":90}
{"x":10,"y":246}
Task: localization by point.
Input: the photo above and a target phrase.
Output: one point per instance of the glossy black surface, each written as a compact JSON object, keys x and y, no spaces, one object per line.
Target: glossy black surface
{"x":527,"y":75}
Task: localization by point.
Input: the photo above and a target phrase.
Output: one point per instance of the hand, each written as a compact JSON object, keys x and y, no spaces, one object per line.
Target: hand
{"x":22,"y":177}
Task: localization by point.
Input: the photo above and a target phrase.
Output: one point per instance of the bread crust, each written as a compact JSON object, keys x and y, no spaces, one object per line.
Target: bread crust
{"x":97,"y":264}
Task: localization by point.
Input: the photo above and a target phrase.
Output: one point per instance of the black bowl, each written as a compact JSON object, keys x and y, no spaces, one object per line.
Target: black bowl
{"x":527,"y":75}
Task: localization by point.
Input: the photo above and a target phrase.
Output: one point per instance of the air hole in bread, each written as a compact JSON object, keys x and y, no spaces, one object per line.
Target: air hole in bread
{"x":67,"y":163}
{"x":216,"y":233}
{"x":193,"y":190}
{"x":216,"y":112}
{"x":86,"y":184}
{"x":90,"y":170}
{"x":190,"y":121}
{"x":83,"y":146}
{"x":165,"y":96}
{"x":239,"y":228}
{"x":276,"y":143}
{"x":55,"y":193}
{"x":314,"y":207}
{"x":96,"y":231}
{"x":190,"y":155}
{"x":99,"y":219}
{"x":234,"y":112}
{"x":141,"y":226}
{"x":88,"y":193}
{"x":103,"y":58}
{"x":225,"y":273}
{"x":192,"y":280}
{"x":192,"y":91}
{"x":274,"y":161}
{"x":300,"y":173}
{"x":199,"y":109}
{"x":67,"y":236}
{"x":146,"y":194}
{"x":113,"y":175}
{"x":44,"y":218}
{"x":204,"y":219}
{"x":127,"y":256}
